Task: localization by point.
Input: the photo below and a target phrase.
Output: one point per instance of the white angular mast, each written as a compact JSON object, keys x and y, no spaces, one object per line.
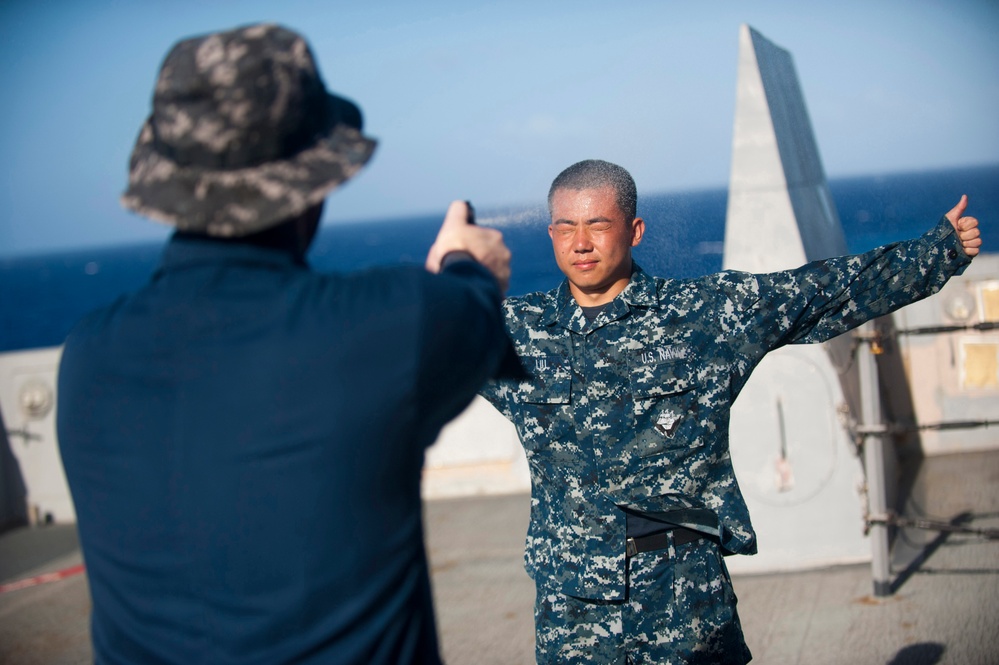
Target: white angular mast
{"x":795,"y":463}
{"x":777,"y":191}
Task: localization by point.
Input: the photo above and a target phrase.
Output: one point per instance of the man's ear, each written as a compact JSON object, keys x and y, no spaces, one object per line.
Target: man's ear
{"x":637,"y":231}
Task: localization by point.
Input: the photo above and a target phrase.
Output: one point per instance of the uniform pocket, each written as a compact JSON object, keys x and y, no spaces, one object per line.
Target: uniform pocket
{"x":703,"y":589}
{"x":665,"y":406}
{"x":549,"y":382}
{"x":544,"y":402}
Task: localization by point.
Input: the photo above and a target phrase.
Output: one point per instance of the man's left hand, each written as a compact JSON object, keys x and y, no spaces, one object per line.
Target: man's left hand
{"x":966,"y":227}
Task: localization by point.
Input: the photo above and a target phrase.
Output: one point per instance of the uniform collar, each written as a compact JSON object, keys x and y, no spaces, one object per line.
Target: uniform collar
{"x":563,"y":310}
{"x":188,"y":251}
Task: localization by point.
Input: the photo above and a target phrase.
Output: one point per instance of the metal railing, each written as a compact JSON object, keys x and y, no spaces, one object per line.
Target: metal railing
{"x":869,"y":437}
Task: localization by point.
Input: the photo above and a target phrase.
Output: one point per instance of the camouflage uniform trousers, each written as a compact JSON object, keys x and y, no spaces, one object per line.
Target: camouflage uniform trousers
{"x":680,"y":609}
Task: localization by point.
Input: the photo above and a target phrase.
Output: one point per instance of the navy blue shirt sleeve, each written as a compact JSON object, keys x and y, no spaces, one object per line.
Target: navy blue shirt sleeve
{"x":463,"y":340}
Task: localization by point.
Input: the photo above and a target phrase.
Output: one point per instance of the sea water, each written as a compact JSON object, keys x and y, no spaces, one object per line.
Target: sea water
{"x":41,"y":297}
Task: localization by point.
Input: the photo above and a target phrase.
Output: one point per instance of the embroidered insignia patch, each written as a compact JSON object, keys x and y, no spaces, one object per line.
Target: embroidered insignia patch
{"x":540,"y":363}
{"x":667,"y":423}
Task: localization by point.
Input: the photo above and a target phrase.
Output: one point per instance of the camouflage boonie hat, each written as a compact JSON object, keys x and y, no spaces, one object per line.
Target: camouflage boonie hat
{"x":243,"y":135}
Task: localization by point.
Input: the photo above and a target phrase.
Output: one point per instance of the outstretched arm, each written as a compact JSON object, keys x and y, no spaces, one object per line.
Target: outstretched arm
{"x":826,"y":298}
{"x":966,"y":227}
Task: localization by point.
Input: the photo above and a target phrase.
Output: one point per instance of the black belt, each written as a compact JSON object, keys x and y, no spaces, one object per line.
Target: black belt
{"x":660,"y":541}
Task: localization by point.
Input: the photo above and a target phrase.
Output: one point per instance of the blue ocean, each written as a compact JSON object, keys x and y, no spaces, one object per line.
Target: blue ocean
{"x":41,"y":297}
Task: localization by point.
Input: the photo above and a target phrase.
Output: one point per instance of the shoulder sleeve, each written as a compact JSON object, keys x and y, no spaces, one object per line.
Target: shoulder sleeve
{"x":494,"y":392}
{"x":498,"y":389}
{"x":826,"y":298}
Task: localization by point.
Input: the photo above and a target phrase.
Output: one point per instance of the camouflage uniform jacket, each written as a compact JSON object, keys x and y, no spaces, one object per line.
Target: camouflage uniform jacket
{"x":633,"y":409}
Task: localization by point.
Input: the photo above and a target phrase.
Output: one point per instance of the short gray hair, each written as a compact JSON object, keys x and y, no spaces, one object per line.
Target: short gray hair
{"x":594,"y":174}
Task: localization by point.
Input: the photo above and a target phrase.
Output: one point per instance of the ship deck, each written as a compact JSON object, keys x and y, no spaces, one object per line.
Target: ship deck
{"x":944,"y":606}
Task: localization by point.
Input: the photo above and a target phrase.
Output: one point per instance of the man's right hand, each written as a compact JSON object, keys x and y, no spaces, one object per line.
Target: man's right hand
{"x":485,"y":245}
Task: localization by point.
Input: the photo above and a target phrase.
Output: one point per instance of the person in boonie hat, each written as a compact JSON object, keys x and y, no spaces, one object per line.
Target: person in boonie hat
{"x":243,"y":135}
{"x":243,"y":436}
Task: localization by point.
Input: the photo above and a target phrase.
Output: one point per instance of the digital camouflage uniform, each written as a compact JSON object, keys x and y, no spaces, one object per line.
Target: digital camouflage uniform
{"x":633,"y":411}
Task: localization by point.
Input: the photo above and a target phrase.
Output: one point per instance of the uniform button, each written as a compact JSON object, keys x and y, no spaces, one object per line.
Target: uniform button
{"x":952,"y":254}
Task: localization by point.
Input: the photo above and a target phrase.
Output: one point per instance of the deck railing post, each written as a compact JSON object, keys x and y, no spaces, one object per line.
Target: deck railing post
{"x":874,"y":460}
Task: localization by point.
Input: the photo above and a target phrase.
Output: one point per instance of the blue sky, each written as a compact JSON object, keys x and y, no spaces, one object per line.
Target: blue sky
{"x":489,"y":101}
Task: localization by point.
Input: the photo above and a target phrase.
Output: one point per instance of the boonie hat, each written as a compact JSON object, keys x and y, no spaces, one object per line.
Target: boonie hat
{"x":243,"y":135}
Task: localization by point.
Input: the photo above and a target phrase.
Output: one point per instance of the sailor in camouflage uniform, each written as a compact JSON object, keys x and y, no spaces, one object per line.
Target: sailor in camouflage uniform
{"x":625,"y":418}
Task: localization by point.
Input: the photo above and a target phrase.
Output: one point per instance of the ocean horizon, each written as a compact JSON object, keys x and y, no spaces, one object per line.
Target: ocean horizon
{"x":43,"y":295}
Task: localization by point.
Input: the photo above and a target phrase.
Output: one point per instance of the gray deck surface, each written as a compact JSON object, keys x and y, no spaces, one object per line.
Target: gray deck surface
{"x":945,"y":608}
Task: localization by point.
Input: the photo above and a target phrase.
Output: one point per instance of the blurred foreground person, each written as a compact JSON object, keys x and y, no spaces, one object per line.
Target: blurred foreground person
{"x":625,"y":417}
{"x":243,"y":437}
